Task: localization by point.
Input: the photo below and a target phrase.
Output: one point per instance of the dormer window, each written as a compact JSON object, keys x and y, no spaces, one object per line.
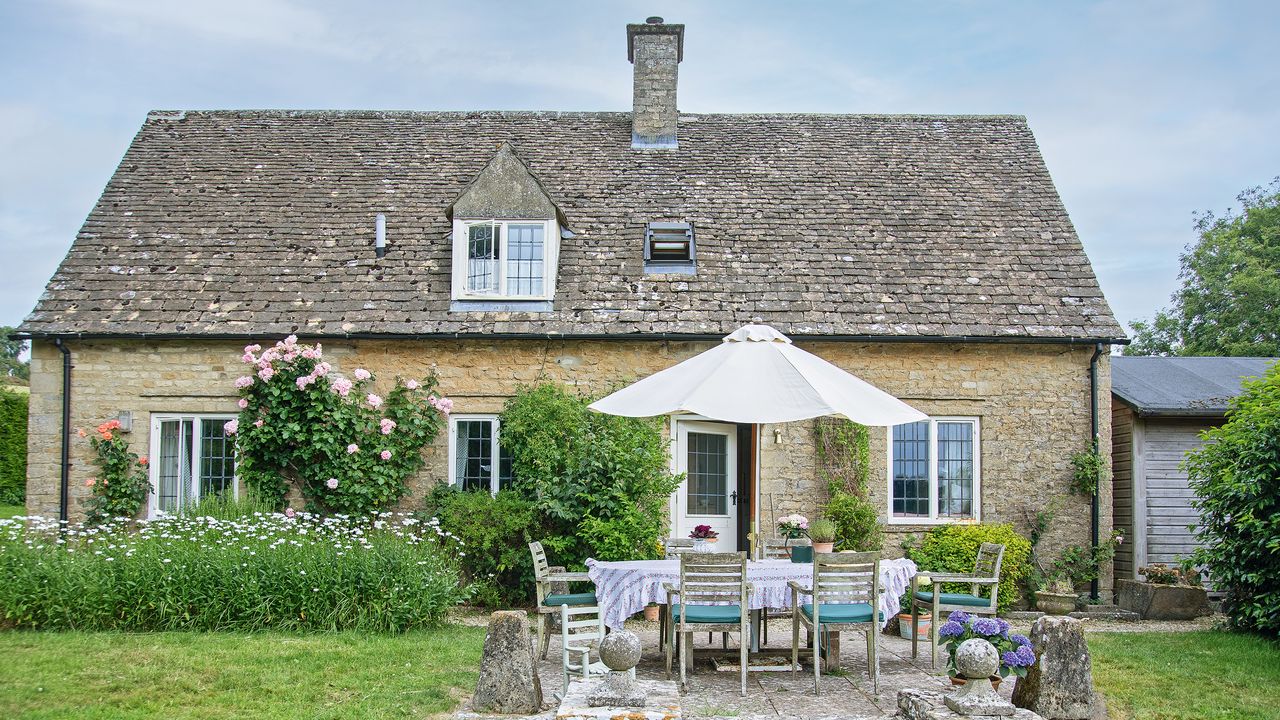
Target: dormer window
{"x":669,"y":248}
{"x":508,"y":259}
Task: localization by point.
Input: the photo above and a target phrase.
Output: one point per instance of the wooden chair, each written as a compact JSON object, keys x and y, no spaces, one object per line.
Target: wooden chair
{"x":776,"y":549}
{"x":549,"y":602}
{"x":675,"y":547}
{"x":845,"y":595}
{"x":712,"y":597}
{"x":986,"y":574}
{"x":580,"y":628}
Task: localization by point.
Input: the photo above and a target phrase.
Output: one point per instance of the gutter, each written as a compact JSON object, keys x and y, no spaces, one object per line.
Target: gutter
{"x":65,"y":485}
{"x":1093,"y":419}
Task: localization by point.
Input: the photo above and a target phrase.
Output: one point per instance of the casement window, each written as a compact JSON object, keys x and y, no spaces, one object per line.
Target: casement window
{"x":935,"y":471}
{"x":191,"y":458}
{"x":669,"y":248}
{"x":504,"y":259}
{"x":476,"y":459}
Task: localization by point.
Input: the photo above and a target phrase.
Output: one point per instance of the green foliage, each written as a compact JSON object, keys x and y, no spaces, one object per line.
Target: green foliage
{"x":601,"y":482}
{"x":495,"y":532}
{"x":1080,"y":564}
{"x":1236,"y":478}
{"x":383,"y":573}
{"x":822,"y":530}
{"x":954,"y":548}
{"x":222,"y":506}
{"x":844,"y":461}
{"x":347,"y":448}
{"x":121,"y":486}
{"x":13,"y":447}
{"x":10,"y":351}
{"x":1229,"y":302}
{"x":1088,"y":469}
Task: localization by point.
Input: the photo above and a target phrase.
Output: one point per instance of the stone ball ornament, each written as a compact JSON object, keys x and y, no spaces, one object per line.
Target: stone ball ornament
{"x":977,"y":658}
{"x":620,"y":650}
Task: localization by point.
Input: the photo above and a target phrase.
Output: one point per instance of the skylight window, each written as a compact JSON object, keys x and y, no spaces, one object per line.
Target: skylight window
{"x":669,"y":248}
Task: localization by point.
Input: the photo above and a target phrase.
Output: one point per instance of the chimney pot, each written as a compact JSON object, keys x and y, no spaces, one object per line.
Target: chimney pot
{"x":655,"y":49}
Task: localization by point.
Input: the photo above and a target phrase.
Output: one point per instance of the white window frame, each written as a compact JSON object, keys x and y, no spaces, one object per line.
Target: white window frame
{"x":495,"y":448}
{"x":550,"y":258}
{"x":933,"y":518}
{"x":153,"y":460}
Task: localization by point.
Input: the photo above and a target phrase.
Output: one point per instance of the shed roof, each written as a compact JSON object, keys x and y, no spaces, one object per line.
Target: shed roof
{"x":252,"y":223}
{"x":1192,"y":386}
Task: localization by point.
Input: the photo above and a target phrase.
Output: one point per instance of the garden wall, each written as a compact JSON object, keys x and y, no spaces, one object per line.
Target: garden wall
{"x":1032,"y":401}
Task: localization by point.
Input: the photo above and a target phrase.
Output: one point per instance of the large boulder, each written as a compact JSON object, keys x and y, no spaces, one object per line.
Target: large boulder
{"x":1162,"y":602}
{"x":1060,"y":685}
{"x":508,"y":681}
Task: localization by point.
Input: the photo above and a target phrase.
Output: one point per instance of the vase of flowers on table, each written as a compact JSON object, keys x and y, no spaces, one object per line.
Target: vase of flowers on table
{"x":704,"y":538}
{"x":794,"y":527}
{"x":1015,"y":650}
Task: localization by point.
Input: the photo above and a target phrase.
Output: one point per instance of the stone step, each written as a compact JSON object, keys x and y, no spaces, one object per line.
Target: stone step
{"x":1106,"y":613}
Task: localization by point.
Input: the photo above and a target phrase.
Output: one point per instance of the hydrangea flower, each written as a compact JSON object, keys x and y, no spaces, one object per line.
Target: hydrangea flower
{"x":951,"y":628}
{"x":1004,"y":626}
{"x":986,"y":626}
{"x":1020,"y":640}
{"x":959,"y":616}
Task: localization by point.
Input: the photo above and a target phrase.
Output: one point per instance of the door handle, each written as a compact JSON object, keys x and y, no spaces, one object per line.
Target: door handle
{"x":734,"y":497}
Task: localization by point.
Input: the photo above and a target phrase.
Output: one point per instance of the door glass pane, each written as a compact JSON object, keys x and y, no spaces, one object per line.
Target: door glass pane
{"x":524,"y":259}
{"x":911,"y":469}
{"x":174,"y":464}
{"x":217,"y":459}
{"x":482,"y":259}
{"x":708,"y":479}
{"x":955,"y":469}
{"x":474,"y":450}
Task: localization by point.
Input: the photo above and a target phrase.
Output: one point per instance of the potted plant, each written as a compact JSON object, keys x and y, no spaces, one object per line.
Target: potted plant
{"x":823,"y":534}
{"x":924,"y":622}
{"x":1059,"y":597}
{"x":1170,"y":593}
{"x":704,"y":538}
{"x":793,"y":527}
{"x":1015,"y":651}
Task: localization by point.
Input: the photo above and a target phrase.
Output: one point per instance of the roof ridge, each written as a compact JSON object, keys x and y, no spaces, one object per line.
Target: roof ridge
{"x":161,"y":114}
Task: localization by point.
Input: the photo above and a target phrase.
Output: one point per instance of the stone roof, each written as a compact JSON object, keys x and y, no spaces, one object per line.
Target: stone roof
{"x":260,"y":223}
{"x":1196,"y":386}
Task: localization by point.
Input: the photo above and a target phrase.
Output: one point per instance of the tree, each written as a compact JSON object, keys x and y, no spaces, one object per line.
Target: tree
{"x":10,"y":351}
{"x":1229,"y":302}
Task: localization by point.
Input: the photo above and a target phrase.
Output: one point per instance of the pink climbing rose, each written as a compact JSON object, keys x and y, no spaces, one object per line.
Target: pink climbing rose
{"x":231,"y":427}
{"x":375,"y":401}
{"x":244,"y":382}
{"x":352,"y":449}
{"x":412,"y":384}
{"x":342,"y":386}
{"x":385,"y":454}
{"x":362,"y":374}
{"x":266,"y":373}
{"x":243,"y":403}
{"x":332,"y":483}
{"x":387,"y":425}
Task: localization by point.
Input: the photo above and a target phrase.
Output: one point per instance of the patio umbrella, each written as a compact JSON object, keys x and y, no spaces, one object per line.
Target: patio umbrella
{"x":757,"y":376}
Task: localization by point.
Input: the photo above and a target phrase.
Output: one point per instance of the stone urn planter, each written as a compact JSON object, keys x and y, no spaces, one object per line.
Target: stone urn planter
{"x":1051,"y":603}
{"x":1162,"y":602}
{"x":705,"y":545}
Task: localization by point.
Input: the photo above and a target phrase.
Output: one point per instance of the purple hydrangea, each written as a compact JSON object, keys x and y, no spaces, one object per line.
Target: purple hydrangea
{"x":986,"y":626}
{"x":1026,"y":655}
{"x":1004,"y":627}
{"x":951,"y":628}
{"x":1010,"y":658}
{"x":959,"y":616}
{"x":1020,"y":640}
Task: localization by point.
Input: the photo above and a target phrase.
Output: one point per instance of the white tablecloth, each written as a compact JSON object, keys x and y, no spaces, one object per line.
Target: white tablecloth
{"x":624,"y":588}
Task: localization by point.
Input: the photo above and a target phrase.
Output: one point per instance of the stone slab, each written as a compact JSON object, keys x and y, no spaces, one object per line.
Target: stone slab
{"x":1162,"y":602}
{"x":663,"y":703}
{"x":930,"y":705}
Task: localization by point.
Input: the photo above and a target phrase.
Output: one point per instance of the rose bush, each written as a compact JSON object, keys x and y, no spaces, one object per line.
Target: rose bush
{"x":121,"y":485}
{"x":347,"y":448}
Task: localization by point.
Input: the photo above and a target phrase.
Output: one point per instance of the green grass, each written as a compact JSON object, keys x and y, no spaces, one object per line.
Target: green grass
{"x":266,"y":676}
{"x":8,"y":511}
{"x":1171,"y":676}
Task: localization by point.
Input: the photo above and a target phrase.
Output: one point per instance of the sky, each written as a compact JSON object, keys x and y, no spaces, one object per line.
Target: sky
{"x":1145,"y":111}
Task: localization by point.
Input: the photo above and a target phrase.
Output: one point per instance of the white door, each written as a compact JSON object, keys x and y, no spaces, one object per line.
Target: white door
{"x":707,"y":454}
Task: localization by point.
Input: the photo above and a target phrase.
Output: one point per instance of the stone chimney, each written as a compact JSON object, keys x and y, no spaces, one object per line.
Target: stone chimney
{"x":655,"y":49}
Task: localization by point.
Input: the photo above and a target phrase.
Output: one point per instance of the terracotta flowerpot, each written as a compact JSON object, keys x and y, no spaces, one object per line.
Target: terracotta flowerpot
{"x":904,"y":626}
{"x":994,"y":679}
{"x":824,"y":547}
{"x":651,"y":613}
{"x":1055,"y":603}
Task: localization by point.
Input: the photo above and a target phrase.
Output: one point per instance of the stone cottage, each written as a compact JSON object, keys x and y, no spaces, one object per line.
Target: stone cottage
{"x":929,"y":255}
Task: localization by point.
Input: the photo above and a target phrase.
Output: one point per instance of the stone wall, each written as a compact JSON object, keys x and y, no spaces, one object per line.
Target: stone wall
{"x":1031,"y":400}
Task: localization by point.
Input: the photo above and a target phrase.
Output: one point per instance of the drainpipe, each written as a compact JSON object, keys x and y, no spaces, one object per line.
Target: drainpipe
{"x":64,"y":489}
{"x":1093,"y":418}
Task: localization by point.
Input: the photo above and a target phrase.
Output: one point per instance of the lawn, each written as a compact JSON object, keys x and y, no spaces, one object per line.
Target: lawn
{"x":1171,"y":676}
{"x":235,"y":675}
{"x":8,"y":511}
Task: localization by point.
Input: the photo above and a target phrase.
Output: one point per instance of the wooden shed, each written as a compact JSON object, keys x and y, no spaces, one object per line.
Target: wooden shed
{"x":1162,"y":405}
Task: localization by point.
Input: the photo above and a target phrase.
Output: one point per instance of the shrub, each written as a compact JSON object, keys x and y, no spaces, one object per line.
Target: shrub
{"x":844,"y":459}
{"x":13,"y":447}
{"x":496,"y":532}
{"x":1236,"y":479}
{"x":349,"y":449}
{"x":954,"y":548}
{"x":121,"y":485}
{"x":302,"y":572}
{"x":857,"y":522}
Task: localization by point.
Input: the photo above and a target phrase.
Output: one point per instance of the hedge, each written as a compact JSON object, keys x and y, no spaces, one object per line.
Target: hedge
{"x":954,"y":548}
{"x":13,"y":447}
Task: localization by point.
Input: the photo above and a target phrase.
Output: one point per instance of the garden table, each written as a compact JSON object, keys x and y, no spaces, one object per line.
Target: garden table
{"x":624,"y":588}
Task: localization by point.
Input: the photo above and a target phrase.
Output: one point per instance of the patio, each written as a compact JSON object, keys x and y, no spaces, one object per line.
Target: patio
{"x":777,"y":694}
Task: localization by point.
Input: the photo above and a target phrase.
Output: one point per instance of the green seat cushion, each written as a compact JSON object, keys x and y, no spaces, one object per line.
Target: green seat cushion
{"x":575,"y":599}
{"x":709,"y":613}
{"x":926,"y":596}
{"x":841,"y":613}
